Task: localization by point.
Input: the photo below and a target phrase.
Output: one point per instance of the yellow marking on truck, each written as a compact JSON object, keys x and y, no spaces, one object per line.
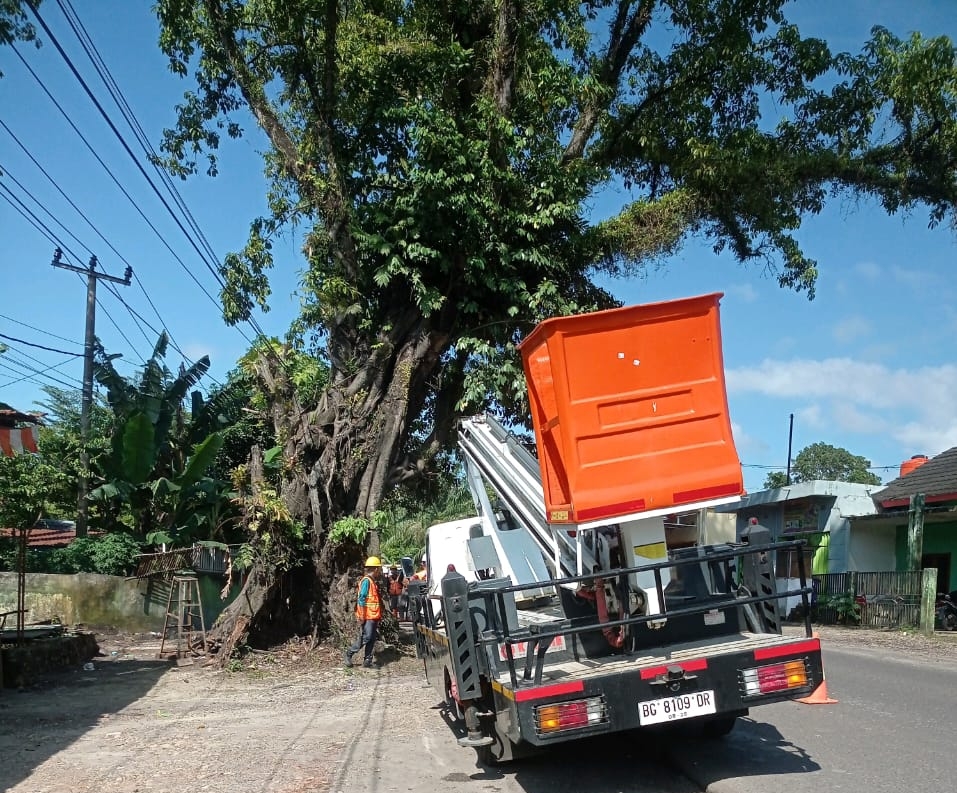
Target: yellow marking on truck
{"x":505,"y":692}
{"x":434,"y":635}
{"x":651,"y":550}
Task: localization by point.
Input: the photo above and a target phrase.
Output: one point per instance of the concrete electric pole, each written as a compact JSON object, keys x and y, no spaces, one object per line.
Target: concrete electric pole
{"x":86,"y":403}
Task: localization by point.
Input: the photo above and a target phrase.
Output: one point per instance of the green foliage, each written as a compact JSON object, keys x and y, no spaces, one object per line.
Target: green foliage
{"x":402,"y":540}
{"x":277,"y":540}
{"x":446,"y":157}
{"x":349,"y":529}
{"x":440,"y":163}
{"x":823,"y":461}
{"x":25,"y":482}
{"x":60,"y":444}
{"x":158,"y":469}
{"x":353,"y":529}
{"x":15,"y":23}
{"x":407,"y":514}
{"x":775,"y":479}
{"x":845,"y":606}
{"x":109,"y":554}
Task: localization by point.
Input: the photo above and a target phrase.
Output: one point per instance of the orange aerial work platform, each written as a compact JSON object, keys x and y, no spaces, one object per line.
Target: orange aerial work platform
{"x":630,"y":410}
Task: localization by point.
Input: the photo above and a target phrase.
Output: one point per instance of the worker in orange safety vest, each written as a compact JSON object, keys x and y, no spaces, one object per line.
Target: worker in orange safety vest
{"x":368,"y":612}
{"x":423,"y":571}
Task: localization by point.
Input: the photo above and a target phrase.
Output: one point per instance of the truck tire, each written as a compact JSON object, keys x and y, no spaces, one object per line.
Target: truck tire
{"x":718,"y":728}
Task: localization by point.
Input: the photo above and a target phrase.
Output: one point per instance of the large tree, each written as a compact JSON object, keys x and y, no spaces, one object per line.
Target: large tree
{"x":823,"y":461}
{"x":443,"y":156}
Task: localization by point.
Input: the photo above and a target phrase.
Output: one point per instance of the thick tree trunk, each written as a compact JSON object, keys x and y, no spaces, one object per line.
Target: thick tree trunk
{"x":338,"y":460}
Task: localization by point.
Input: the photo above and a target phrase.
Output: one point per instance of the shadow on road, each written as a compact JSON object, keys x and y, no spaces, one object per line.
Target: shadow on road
{"x":39,"y":721}
{"x":754,"y":748}
{"x":673,"y":761}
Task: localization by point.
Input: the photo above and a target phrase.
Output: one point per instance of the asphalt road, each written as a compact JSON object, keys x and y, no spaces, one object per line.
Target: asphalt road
{"x":894,"y":729}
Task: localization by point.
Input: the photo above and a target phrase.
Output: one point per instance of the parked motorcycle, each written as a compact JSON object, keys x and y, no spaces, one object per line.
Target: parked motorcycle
{"x":945,"y":611}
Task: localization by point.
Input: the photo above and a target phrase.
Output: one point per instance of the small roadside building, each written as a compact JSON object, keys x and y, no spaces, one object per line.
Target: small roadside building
{"x":18,"y":431}
{"x":915,"y":524}
{"x":818,"y":512}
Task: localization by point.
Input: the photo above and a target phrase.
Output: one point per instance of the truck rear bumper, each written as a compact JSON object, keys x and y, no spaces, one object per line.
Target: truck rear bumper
{"x":632,"y":692}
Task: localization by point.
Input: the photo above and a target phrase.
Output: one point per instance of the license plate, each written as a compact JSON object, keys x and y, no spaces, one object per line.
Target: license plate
{"x":682,"y":706}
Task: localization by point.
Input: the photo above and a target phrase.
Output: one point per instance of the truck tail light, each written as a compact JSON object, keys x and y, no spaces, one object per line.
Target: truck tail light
{"x":575,"y":715}
{"x":774,"y":677}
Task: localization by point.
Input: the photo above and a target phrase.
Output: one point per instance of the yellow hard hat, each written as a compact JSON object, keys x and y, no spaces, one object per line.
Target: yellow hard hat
{"x":373,"y":561}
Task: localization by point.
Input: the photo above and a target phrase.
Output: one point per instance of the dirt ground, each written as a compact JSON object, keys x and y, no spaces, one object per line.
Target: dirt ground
{"x":287,"y":721}
{"x":278,"y":722}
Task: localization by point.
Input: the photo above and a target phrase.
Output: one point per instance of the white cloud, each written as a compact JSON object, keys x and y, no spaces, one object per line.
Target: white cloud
{"x":744,"y":443}
{"x":913,"y":406}
{"x":745,"y":292}
{"x":852,"y":329}
{"x":868,"y":270}
{"x":917,"y":280}
{"x":196,"y":350}
{"x":812,"y":415}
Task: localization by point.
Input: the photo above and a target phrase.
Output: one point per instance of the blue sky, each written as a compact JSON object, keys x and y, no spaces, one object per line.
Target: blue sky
{"x":868,"y":365}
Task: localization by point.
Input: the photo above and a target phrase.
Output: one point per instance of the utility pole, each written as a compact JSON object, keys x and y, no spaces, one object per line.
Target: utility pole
{"x":86,"y":402}
{"x":790,"y":440}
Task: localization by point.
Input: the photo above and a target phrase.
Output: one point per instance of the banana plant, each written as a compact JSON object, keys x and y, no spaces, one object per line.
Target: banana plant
{"x":157,"y":472}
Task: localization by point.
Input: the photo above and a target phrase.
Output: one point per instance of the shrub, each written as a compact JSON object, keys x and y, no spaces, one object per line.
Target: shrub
{"x":110,"y":554}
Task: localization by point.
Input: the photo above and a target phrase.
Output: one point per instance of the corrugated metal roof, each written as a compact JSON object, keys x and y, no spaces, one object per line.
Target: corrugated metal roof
{"x":44,"y":538}
{"x":149,"y":564}
{"x":936,"y":477}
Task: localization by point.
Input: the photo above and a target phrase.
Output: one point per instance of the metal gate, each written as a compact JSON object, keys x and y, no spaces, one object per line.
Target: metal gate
{"x":887,"y":600}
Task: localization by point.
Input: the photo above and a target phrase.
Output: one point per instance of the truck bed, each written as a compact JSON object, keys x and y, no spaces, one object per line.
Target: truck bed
{"x":583,"y":668}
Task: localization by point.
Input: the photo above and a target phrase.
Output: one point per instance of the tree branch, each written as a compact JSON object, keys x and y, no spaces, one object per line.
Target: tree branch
{"x":626,"y":30}
{"x":253,"y":92}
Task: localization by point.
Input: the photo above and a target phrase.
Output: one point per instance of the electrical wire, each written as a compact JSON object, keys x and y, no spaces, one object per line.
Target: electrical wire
{"x":211,"y":267}
{"x":38,"y":330}
{"x":122,"y":189}
{"x":99,"y":64}
{"x":72,"y":253}
{"x":104,"y":239}
{"x":40,"y":372}
{"x":110,"y":245}
{"x":8,"y":362}
{"x":41,"y":226}
{"x":39,"y":346}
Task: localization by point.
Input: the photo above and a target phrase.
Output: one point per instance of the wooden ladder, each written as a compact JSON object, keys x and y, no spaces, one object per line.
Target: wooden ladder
{"x":184,"y":612}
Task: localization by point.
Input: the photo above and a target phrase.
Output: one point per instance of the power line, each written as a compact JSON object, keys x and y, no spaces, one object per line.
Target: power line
{"x":106,"y":241}
{"x":18,"y":183}
{"x":62,"y":193}
{"x":38,"y":346}
{"x":122,"y":189}
{"x":7,"y":362}
{"x":38,"y":330}
{"x":211,"y":267}
{"x":46,"y":231}
{"x":40,"y":372}
{"x":113,"y":88}
{"x":36,"y":360}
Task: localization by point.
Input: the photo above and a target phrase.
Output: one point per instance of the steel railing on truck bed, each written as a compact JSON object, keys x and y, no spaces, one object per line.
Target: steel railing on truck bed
{"x":500,"y":616}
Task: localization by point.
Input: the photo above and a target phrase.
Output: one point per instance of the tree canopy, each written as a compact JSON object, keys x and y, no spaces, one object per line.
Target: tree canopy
{"x":441,"y":159}
{"x":823,"y":461}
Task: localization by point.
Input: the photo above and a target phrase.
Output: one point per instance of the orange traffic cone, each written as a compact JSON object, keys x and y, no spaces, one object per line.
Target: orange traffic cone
{"x":819,"y":695}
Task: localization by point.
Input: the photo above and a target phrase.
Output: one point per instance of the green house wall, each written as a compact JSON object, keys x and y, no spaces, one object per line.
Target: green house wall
{"x":938,"y":538}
